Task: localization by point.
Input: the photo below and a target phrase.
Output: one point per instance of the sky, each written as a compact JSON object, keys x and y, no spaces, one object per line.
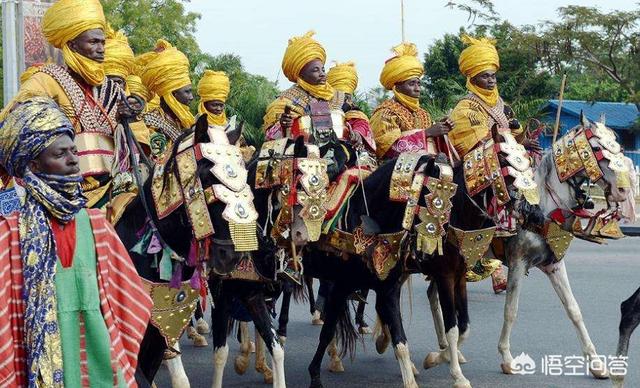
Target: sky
{"x":362,"y":31}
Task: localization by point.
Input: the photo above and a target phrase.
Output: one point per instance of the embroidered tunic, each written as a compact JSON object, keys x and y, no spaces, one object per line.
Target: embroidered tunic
{"x":397,"y":129}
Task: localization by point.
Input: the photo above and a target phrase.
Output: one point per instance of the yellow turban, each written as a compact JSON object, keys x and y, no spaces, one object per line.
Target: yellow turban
{"x":403,"y":66}
{"x":343,"y":77}
{"x":480,"y":55}
{"x":300,"y":51}
{"x":214,"y":85}
{"x":118,"y":56}
{"x":167,"y":70}
{"x":136,"y":87}
{"x":64,"y":21}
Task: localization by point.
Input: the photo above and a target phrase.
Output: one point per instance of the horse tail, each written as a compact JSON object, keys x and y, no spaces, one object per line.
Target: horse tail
{"x":299,"y":292}
{"x":346,"y":333}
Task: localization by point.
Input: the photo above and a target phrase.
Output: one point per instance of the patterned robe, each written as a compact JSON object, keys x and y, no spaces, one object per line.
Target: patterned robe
{"x":125,"y":305}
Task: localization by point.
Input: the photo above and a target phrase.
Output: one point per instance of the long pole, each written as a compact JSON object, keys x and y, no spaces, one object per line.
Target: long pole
{"x":10,"y":49}
{"x":402,"y":20}
{"x":560,"y":100}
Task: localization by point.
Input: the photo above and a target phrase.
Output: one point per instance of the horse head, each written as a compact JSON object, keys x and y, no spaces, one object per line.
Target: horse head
{"x":290,"y":184}
{"x":589,"y":153}
{"x":206,"y":182}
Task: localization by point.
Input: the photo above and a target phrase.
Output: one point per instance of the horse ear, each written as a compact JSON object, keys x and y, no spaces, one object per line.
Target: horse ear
{"x":603,"y":119}
{"x":201,"y":131}
{"x":299,"y":148}
{"x":583,"y":120}
{"x":235,"y":134}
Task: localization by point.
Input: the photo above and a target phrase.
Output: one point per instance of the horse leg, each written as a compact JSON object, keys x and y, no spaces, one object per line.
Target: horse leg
{"x":335,"y":361}
{"x":201,"y":324}
{"x":258,"y":310}
{"x":308,"y":282}
{"x":220,"y":315}
{"x":436,"y":313}
{"x":283,"y":319}
{"x":332,"y":309}
{"x":363,"y":328}
{"x":176,"y":370}
{"x":261,"y":362}
{"x":151,"y":353}
{"x":516,"y":273}
{"x":388,"y":308}
{"x":242,"y":360}
{"x":630,"y":311}
{"x":447,"y":292}
{"x":557,"y":274}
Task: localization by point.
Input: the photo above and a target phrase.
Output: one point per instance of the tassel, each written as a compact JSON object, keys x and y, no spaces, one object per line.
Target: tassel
{"x":195,"y":280}
{"x":154,"y":245}
{"x":176,"y":278}
{"x":166,"y":266}
{"x":191,"y":258}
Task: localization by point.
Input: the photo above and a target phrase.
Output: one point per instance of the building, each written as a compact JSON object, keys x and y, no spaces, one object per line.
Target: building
{"x":621,"y":117}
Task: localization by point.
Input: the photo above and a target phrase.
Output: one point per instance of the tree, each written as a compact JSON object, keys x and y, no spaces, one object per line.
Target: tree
{"x":146,"y":21}
{"x":605,"y":44}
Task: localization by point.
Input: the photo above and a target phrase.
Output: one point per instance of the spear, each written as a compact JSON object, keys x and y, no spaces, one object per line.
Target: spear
{"x":560,"y":99}
{"x":402,"y":20}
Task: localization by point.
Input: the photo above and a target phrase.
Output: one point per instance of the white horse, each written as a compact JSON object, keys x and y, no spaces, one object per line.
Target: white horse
{"x":528,"y":249}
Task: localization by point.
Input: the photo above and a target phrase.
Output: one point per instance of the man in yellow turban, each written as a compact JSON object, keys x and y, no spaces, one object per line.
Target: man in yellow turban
{"x":309,"y":108}
{"x":119,"y":60}
{"x":213,"y":90}
{"x":165,"y":72}
{"x":80,"y":88}
{"x":399,"y":124}
{"x":344,"y":78}
{"x":474,"y":117}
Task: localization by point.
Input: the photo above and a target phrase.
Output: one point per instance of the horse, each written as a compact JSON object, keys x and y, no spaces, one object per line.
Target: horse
{"x":561,"y":202}
{"x":630,"y":311}
{"x":176,"y":231}
{"x":378,"y":228}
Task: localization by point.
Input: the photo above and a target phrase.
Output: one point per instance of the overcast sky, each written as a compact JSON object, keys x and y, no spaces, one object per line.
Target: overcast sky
{"x":362,"y":31}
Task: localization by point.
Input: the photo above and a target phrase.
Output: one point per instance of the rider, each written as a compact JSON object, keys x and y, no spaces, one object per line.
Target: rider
{"x":474,"y":117}
{"x":66,"y":271}
{"x":89,"y":99}
{"x":344,"y":78}
{"x":311,"y":107}
{"x":399,"y":124}
{"x":166,"y":74}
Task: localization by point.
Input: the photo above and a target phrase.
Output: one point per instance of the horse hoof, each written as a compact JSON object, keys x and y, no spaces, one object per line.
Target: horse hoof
{"x":430,"y":361}
{"x":506,"y":368}
{"x":202,"y":326}
{"x":252,"y":347}
{"x":241,"y":364}
{"x":412,"y":385}
{"x":316,"y":320}
{"x":617,"y":381}
{"x":315,"y":383}
{"x":365,"y":330}
{"x":461,"y":358}
{"x":200,"y":342}
{"x":266,"y":373}
{"x":336,"y":366}
{"x":182,"y":382}
{"x":599,"y":373}
{"x":282,"y":340}
{"x":414,"y":370}
{"x":462,"y":384}
{"x":382,"y":343}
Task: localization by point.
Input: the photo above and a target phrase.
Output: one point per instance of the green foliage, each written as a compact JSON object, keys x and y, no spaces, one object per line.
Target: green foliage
{"x":146,"y":21}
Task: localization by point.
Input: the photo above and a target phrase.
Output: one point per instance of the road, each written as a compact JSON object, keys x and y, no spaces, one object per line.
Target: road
{"x":601,"y":278}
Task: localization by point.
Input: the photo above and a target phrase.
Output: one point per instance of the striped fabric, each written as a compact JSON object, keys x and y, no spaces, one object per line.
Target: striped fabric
{"x":125,"y":305}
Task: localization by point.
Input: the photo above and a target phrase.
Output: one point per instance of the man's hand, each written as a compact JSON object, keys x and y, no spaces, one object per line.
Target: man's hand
{"x":514,"y":124}
{"x":286,"y":119}
{"x":440,"y":128}
{"x":131,"y":111}
{"x":532,"y":145}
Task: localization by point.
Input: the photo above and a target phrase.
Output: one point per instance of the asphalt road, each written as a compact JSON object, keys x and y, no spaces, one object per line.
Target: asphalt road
{"x":601,"y":278}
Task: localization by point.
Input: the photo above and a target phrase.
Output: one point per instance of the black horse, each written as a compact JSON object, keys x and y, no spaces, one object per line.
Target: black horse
{"x":176,"y":231}
{"x":371,"y":210}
